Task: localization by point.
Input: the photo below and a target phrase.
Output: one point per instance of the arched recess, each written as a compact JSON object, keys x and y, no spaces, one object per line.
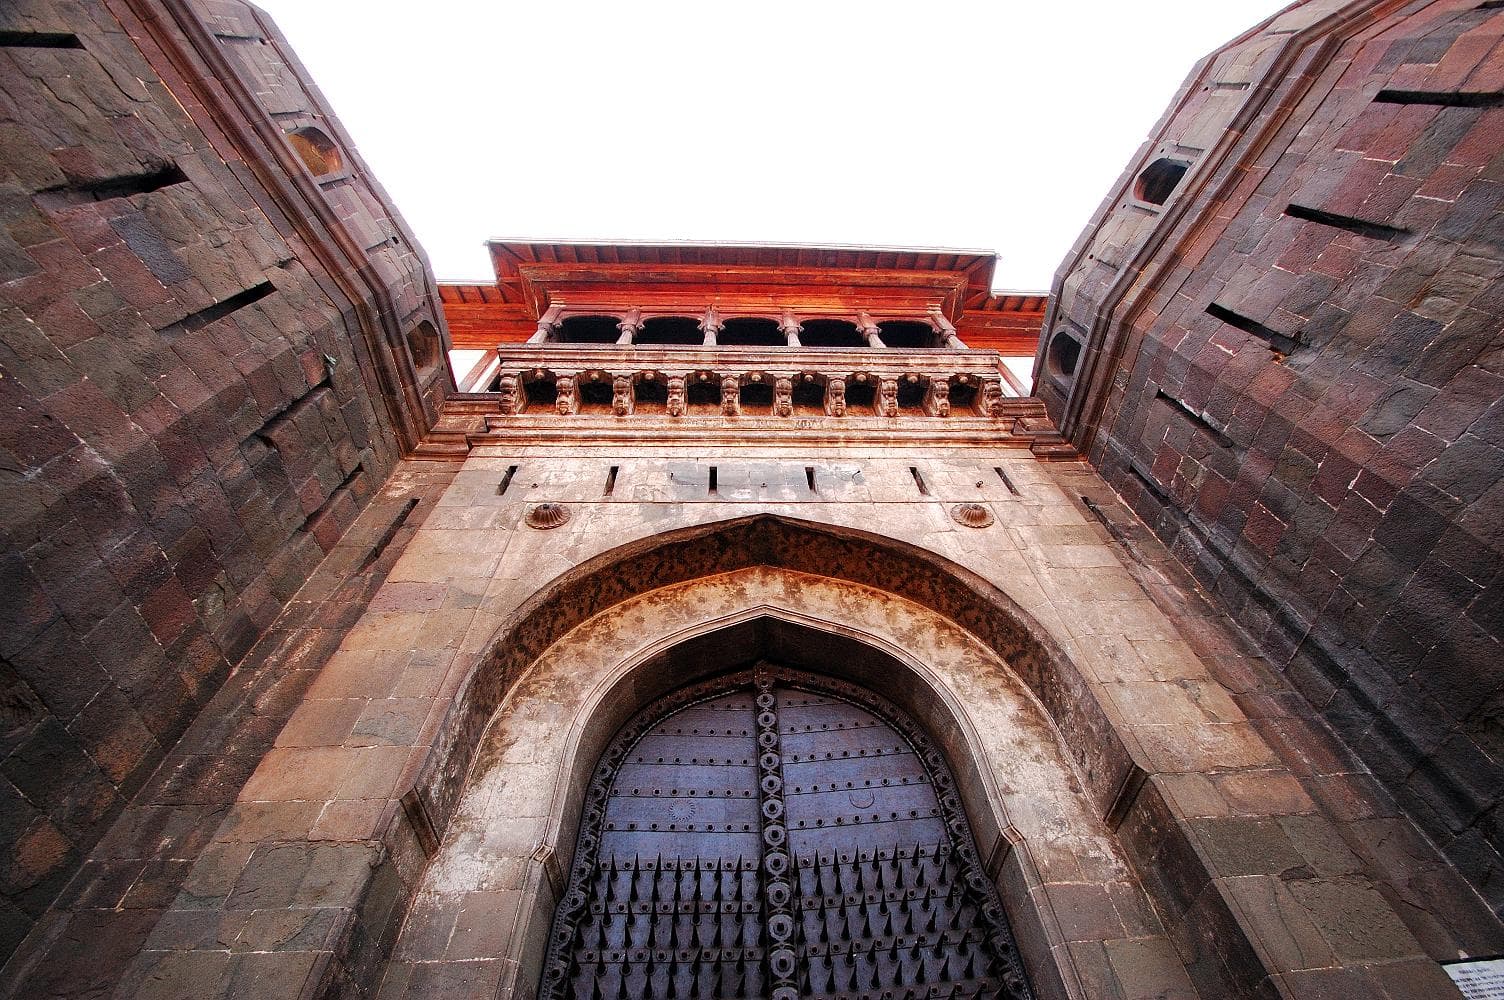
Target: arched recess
{"x":843,"y":553}
{"x":317,"y":151}
{"x":423,"y":343}
{"x":819,"y":845}
{"x":523,"y":801}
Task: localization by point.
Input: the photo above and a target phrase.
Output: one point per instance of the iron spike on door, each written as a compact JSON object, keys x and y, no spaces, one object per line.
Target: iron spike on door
{"x":775,"y":835}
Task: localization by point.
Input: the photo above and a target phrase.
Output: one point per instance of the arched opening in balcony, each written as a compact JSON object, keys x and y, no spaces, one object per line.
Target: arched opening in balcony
{"x":831,"y":333}
{"x":908,"y":334}
{"x":667,"y":331}
{"x":588,"y":330}
{"x":752,"y":332}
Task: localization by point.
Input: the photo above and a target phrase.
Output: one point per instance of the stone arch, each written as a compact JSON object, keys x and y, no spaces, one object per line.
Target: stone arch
{"x":522,"y":801}
{"x":884,"y":564}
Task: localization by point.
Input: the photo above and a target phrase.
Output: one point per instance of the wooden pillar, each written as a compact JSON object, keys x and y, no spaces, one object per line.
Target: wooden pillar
{"x":629,"y":325}
{"x":790,"y":328}
{"x":946,"y":329}
{"x":869,"y":329}
{"x":547,"y":324}
{"x":712,"y":325}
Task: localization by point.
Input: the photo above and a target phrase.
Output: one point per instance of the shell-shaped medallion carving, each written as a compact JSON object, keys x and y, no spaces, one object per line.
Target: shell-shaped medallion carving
{"x":973,"y":515}
{"x":547,"y":515}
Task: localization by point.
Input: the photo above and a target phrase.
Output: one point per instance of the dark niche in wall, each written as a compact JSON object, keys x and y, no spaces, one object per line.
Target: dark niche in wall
{"x":1159,"y":180}
{"x":317,"y":151}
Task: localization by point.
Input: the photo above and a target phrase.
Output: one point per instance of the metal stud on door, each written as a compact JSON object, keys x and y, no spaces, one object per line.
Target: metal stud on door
{"x":777,"y":835}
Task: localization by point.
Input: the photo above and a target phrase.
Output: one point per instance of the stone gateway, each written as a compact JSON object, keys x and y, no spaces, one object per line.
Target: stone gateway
{"x":727,"y":621}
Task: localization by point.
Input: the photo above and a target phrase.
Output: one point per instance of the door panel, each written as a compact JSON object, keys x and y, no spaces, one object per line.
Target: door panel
{"x":777,"y":835}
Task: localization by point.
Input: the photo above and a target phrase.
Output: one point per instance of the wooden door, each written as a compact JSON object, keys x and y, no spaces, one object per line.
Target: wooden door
{"x":777,"y":835}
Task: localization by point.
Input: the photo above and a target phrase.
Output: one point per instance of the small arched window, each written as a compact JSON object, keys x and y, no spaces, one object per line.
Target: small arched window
{"x":1159,"y":180}
{"x":1065,"y":353}
{"x":317,"y":151}
{"x":423,"y":342}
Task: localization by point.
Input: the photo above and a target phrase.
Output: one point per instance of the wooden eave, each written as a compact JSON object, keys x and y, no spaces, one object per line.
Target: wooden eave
{"x":684,"y":279}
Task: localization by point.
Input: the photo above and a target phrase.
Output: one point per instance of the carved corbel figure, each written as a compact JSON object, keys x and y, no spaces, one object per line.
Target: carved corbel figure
{"x":887,"y":397}
{"x":622,"y":402}
{"x":835,"y":397}
{"x":676,"y":396}
{"x":937,"y":398}
{"x":731,"y":396}
{"x":568,"y":399}
{"x":991,"y":403}
{"x":783,"y":397}
{"x":509,"y":390}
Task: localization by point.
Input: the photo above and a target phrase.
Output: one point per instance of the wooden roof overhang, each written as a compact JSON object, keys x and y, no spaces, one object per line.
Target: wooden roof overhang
{"x":739,"y":280}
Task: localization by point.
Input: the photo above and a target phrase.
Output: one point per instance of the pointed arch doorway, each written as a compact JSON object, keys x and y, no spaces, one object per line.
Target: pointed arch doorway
{"x":777,"y":834}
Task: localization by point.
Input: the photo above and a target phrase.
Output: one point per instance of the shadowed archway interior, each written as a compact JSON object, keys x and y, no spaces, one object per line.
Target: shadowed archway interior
{"x":776,"y":833}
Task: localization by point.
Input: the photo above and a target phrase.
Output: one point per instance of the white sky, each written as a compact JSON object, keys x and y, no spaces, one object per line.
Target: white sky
{"x":981,"y":125}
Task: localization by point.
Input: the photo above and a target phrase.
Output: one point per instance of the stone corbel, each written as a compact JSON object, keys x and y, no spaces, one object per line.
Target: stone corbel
{"x":791,"y":328}
{"x":990,"y":399}
{"x":623,"y":401}
{"x":869,"y":329}
{"x":547,"y":324}
{"x":946,"y":329}
{"x":731,"y":396}
{"x":509,"y":394}
{"x":835,"y":397}
{"x":629,"y":326}
{"x":783,"y":396}
{"x":567,"y":400}
{"x":937,"y":398}
{"x":712,"y":325}
{"x":887,"y":398}
{"x":677,"y":396}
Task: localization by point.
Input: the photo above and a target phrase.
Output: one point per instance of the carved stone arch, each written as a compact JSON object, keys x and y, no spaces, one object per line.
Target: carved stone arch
{"x":842,"y":651}
{"x":594,"y":679}
{"x":882,"y":563}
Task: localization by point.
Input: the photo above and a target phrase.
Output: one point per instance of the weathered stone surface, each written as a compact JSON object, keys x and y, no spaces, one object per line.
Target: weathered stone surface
{"x":286,"y":716}
{"x":192,"y":412}
{"x":1290,"y":369}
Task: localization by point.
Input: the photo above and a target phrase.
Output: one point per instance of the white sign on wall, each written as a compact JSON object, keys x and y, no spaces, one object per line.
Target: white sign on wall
{"x":1478,"y":980}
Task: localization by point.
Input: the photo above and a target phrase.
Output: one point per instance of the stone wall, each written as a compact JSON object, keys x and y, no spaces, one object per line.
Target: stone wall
{"x":215,"y":343}
{"x":1279,"y":341}
{"x":1235,"y":853}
